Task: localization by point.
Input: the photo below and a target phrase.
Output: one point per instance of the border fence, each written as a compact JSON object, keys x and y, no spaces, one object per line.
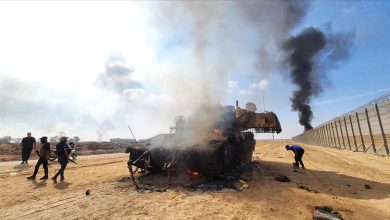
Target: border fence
{"x":366,"y":129}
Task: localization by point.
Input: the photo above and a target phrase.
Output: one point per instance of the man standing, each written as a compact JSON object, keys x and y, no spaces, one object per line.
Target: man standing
{"x":27,"y":146}
{"x":44,"y":154}
{"x":62,"y":155}
{"x":298,"y":151}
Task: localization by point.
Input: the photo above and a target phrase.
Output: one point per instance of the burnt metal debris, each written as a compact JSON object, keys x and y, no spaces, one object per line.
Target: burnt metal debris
{"x":282,"y":178}
{"x":326,"y":213}
{"x":213,"y":152}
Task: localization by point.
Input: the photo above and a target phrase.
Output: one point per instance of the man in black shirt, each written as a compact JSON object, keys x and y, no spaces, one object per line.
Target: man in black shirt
{"x":63,"y":151}
{"x":27,"y":146}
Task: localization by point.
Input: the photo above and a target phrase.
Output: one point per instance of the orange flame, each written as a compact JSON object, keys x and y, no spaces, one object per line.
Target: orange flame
{"x":192,"y":173}
{"x":217,"y":130}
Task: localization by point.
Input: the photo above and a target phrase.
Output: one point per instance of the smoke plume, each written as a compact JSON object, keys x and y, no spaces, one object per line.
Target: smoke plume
{"x":310,"y":54}
{"x":303,"y":48}
{"x":103,"y":129}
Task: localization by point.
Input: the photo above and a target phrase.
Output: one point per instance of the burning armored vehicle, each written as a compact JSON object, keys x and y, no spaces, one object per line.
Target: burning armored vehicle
{"x":211,"y":142}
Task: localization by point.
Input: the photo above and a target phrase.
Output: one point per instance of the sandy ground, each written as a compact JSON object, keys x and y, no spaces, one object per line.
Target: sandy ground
{"x":338,"y":176}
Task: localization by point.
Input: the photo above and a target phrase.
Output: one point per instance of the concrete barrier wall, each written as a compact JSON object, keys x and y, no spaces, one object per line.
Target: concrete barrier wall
{"x":366,"y":129}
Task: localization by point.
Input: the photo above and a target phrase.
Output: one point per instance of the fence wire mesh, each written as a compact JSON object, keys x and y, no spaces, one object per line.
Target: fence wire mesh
{"x":366,"y":129}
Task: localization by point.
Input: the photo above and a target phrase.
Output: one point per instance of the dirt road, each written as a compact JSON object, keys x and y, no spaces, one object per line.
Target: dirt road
{"x":333,"y":177}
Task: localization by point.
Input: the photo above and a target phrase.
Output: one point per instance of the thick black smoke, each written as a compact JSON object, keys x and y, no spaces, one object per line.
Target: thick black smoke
{"x":303,"y":50}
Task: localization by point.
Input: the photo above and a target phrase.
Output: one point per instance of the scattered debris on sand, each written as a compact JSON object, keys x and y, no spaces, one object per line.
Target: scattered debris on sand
{"x":326,"y":213}
{"x":367,"y":186}
{"x":282,"y":178}
{"x":148,"y":189}
{"x":306,"y":187}
{"x":244,"y":185}
{"x":213,"y":186}
{"x":158,"y":182}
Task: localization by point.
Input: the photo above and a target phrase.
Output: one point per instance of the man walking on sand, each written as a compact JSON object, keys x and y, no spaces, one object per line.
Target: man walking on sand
{"x":27,"y":146}
{"x":63,"y":156}
{"x":44,"y":154}
{"x":298,"y":152}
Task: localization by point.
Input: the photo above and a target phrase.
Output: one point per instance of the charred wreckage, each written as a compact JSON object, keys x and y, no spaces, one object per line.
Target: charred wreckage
{"x":212,"y":142}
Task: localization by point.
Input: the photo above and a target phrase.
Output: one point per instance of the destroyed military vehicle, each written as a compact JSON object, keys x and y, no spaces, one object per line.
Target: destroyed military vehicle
{"x":211,"y":142}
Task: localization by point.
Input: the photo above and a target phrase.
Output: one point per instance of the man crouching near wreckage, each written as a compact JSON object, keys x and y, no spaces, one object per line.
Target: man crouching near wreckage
{"x":43,"y":154}
{"x":63,"y":151}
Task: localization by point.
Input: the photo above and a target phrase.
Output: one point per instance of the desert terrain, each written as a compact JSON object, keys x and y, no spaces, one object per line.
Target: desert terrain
{"x":333,"y":177}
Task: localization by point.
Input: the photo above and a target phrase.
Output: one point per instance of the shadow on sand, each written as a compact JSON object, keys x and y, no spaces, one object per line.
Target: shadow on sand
{"x":21,"y":167}
{"x":62,"y":185}
{"x":39,"y":184}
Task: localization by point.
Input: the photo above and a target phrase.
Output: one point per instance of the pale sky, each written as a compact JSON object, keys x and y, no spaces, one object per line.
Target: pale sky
{"x":92,"y":68}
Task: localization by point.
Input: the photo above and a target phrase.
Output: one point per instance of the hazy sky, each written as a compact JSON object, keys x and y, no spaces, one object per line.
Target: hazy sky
{"x":91,"y":68}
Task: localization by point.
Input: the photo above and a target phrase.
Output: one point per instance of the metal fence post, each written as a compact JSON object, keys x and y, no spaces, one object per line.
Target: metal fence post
{"x":371,"y":136}
{"x":342,"y":134}
{"x":330,"y":135}
{"x":324,"y":135}
{"x":346,"y":132}
{"x":382,"y":132}
{"x":353,"y":133}
{"x":330,"y":142}
{"x":334,"y":135}
{"x":320,"y":136}
{"x":337,"y":132}
{"x":360,"y":132}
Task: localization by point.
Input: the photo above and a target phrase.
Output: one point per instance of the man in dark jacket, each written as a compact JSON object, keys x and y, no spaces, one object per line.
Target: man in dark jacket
{"x":27,"y":146}
{"x":43,"y":154}
{"x":298,"y":151}
{"x":63,"y":155}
